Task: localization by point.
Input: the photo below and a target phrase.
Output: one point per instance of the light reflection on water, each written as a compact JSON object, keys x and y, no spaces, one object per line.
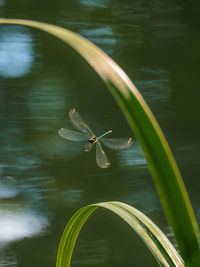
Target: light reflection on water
{"x":92,"y":253}
{"x":132,"y":156}
{"x":8,"y":258}
{"x":94,"y":3}
{"x":146,"y":201}
{"x":19,"y":222}
{"x":156,"y":86}
{"x":103,"y":36}
{"x":16,"y":52}
{"x":8,"y":187}
{"x":47,"y":100}
{"x":21,"y":208}
{"x":22,"y":215}
{"x":2,"y":2}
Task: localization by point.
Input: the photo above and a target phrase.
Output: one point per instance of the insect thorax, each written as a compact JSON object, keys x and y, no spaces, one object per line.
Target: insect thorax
{"x":93,"y":140}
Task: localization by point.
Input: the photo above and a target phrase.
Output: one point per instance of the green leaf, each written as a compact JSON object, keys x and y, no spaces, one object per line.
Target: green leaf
{"x":162,"y":165}
{"x":159,"y":245}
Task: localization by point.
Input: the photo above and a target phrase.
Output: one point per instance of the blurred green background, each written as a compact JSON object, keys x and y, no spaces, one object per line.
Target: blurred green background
{"x":45,"y":179}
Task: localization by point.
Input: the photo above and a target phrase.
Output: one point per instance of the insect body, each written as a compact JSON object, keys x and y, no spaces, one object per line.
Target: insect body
{"x":86,"y":134}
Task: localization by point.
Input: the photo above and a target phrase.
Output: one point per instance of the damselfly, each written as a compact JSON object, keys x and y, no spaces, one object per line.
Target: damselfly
{"x":86,"y":134}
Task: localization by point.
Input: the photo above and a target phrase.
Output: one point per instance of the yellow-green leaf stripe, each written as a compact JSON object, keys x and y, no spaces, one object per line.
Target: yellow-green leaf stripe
{"x":154,"y":238}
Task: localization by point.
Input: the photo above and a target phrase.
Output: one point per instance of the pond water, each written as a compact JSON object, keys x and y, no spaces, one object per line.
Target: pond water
{"x":46,"y":179}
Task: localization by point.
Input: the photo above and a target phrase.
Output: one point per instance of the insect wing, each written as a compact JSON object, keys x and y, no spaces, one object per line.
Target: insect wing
{"x":117,"y":143}
{"x":101,"y":157}
{"x":72,"y":135}
{"x":79,"y":123}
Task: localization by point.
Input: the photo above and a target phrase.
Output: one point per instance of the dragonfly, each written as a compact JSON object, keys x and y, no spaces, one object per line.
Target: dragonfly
{"x":84,"y":133}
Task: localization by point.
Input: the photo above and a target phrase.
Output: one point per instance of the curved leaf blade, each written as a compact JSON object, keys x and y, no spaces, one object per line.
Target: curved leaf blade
{"x":157,"y":242}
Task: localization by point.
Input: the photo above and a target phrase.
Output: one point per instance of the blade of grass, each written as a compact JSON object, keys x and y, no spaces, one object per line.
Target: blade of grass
{"x":157,"y":242}
{"x":164,"y":170}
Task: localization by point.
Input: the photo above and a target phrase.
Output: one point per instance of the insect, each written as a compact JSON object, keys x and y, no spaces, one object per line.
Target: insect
{"x":86,"y":134}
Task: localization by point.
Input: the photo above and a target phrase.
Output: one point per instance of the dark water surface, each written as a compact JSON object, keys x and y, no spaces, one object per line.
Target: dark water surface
{"x":45,"y":179}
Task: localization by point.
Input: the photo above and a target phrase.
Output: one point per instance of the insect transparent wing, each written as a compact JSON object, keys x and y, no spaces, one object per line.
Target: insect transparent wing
{"x":79,"y":123}
{"x":117,"y":143}
{"x":72,"y":135}
{"x":101,"y":157}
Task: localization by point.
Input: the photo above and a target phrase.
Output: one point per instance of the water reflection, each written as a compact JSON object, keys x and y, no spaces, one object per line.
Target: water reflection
{"x":134,"y":18}
{"x":91,"y":253}
{"x":155,"y":85}
{"x":16,"y":52}
{"x":20,"y":207}
{"x":22,"y":212}
{"x":8,"y":258}
{"x":47,"y":99}
{"x":101,"y":35}
{"x":166,"y":23}
{"x":8,"y":187}
{"x":132,"y":156}
{"x":19,"y":218}
{"x":18,"y":222}
{"x":145,"y":200}
{"x":69,"y":197}
{"x":98,"y":31}
{"x":94,"y":3}
{"x":48,"y":104}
